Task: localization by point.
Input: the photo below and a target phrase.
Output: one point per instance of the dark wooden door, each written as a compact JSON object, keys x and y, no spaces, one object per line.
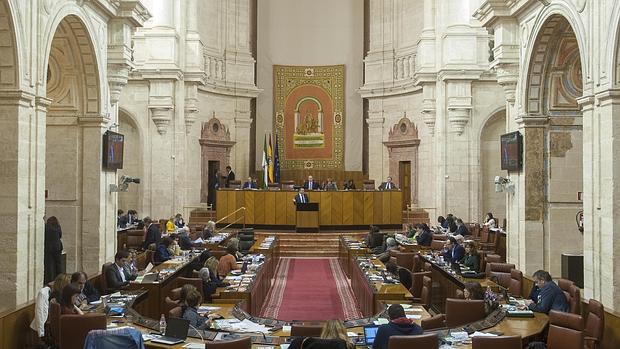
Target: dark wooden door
{"x":404,"y":178}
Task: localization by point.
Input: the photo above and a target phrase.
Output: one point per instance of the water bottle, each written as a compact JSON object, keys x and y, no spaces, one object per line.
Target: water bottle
{"x":162,"y":324}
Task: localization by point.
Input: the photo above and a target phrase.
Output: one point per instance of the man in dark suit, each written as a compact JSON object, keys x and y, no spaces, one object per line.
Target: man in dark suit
{"x":301,"y":197}
{"x":388,"y":185}
{"x":453,"y":252}
{"x":461,"y":228}
{"x":550,"y":297}
{"x":230,"y":176}
{"x":116,"y":275}
{"x":310,"y":184}
{"x":250,"y":184}
{"x":153,"y":235}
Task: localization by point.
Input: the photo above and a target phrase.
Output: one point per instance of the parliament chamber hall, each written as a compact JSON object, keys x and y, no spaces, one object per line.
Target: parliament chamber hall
{"x":309,"y":174}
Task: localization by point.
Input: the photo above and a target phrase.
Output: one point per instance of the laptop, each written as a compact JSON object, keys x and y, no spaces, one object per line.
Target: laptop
{"x":370,"y":332}
{"x":148,"y":278}
{"x":176,"y":332}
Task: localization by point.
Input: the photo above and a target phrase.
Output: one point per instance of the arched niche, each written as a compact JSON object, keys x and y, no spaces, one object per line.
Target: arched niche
{"x":215,"y":146}
{"x":402,"y":144}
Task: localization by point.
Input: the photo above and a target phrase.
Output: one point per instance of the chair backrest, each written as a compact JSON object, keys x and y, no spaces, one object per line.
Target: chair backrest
{"x":54,"y":320}
{"x":236,"y":184}
{"x":242,"y":343}
{"x":418,"y":282}
{"x":74,"y":328}
{"x":575,"y":299}
{"x":135,"y":238}
{"x":565,"y":331}
{"x":288,"y":185}
{"x":418,"y":263}
{"x":369,"y":184}
{"x":426,"y":341}
{"x":306,"y":330}
{"x":427,"y":287}
{"x":404,"y":259}
{"x":460,"y":294}
{"x":595,"y":320}
{"x":104,"y":279}
{"x":273,"y":186}
{"x":193,"y":281}
{"x":516,"y":281}
{"x":175,"y":312}
{"x":428,"y":266}
{"x":503,"y":342}
{"x":442,"y":237}
{"x":461,"y":312}
{"x":170,"y":304}
{"x":437,"y":244}
{"x":405,"y":277}
{"x":175,"y":294}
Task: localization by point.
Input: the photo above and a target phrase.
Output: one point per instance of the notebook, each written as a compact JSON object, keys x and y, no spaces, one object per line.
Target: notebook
{"x":176,"y":332}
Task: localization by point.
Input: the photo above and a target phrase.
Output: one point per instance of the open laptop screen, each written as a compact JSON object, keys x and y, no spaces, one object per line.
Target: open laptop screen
{"x":370,"y":332}
{"x":177,"y":328}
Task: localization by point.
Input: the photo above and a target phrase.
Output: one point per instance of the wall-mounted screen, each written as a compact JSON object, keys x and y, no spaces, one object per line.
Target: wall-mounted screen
{"x":512,"y":151}
{"x":113,"y":144}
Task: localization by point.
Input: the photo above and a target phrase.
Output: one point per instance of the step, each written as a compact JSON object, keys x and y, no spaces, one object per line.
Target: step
{"x":308,"y":254}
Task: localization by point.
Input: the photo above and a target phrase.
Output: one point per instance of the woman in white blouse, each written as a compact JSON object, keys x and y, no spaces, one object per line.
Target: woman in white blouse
{"x":490,"y":221}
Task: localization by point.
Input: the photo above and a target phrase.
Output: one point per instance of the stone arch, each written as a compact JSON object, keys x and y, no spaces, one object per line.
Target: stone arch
{"x":555,"y":78}
{"x":9,"y":53}
{"x":70,"y":21}
{"x":541,"y":24}
{"x":492,"y":128}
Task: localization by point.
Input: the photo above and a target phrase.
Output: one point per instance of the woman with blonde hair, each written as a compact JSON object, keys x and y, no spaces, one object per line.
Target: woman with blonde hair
{"x":213,"y":282}
{"x":334,"y":329}
{"x":60,"y":282}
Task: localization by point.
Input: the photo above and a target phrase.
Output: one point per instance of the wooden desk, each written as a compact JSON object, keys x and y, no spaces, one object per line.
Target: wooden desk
{"x":339,"y":209}
{"x":153,"y":305}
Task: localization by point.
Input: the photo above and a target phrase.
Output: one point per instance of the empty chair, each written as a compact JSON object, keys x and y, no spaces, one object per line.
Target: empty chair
{"x":197,"y":282}
{"x":103,"y":279}
{"x":288,"y":185}
{"x":417,"y":282}
{"x":306,"y":330}
{"x":418,"y":263}
{"x":236,"y":184}
{"x":74,"y":328}
{"x":369,"y":184}
{"x":565,"y":331}
{"x":437,"y":244}
{"x":434,"y":322}
{"x":273,"y":186}
{"x":461,"y":312}
{"x":516,"y":281}
{"x":403,"y":259}
{"x":503,"y":342}
{"x":427,"y":287}
{"x":426,"y":341}
{"x":595,"y":324}
{"x":242,"y":343}
{"x":575,"y":299}
{"x":442,"y":237}
{"x":405,"y":277}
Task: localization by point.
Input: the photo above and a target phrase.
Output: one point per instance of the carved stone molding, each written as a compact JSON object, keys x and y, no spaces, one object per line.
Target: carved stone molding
{"x":161,"y":116}
{"x":118,"y":74}
{"x":507,"y":76}
{"x":459,"y":113}
{"x":191,"y":105}
{"x":428,"y":107}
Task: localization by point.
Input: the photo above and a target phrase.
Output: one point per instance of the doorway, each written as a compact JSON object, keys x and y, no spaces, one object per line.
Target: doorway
{"x":213,"y":181}
{"x":404,"y":177}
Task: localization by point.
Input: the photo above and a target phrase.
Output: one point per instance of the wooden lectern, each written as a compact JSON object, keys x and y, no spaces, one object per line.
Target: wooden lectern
{"x":307,"y":217}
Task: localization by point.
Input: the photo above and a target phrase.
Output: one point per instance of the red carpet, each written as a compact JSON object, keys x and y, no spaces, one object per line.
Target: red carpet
{"x":310,"y":289}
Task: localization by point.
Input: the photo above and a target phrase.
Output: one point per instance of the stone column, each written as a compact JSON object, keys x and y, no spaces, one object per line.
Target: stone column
{"x":376,"y":170}
{"x":22,"y":202}
{"x":241,"y":153}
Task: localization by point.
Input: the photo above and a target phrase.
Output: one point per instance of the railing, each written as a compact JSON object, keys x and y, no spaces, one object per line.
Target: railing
{"x":233,"y":222}
{"x":187,"y":209}
{"x":404,"y":66}
{"x":215,"y":67}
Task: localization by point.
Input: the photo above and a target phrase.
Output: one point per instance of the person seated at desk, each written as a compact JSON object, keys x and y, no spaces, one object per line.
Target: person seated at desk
{"x":550,"y":297}
{"x":183,"y":240}
{"x":131,"y":267}
{"x":211,"y":281}
{"x":443,"y":223}
{"x":453,"y":252}
{"x":474,"y":291}
{"x":152,"y":234}
{"x":399,"y":325}
{"x":190,"y":311}
{"x":490,"y":221}
{"x":334,"y":329}
{"x":330,"y":185}
{"x":161,"y":252}
{"x":425,"y":235}
{"x":452,"y":227}
{"x":132,"y":217}
{"x":170,"y":227}
{"x":391,"y":245}
{"x":179,"y":222}
{"x":461,"y":228}
{"x":227,"y":262}
{"x":403,"y":275}
{"x":121,"y":220}
{"x":250,"y":184}
{"x":349,"y":185}
{"x":301,"y":197}
{"x":472,"y":257}
{"x":59,"y":283}
{"x":310,"y":184}
{"x":68,"y":300}
{"x":116,"y":275}
{"x":88,"y":293}
{"x":388,"y":185}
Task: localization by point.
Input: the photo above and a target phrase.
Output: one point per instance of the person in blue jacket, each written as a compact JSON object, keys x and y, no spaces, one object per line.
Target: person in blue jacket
{"x":399,"y":325}
{"x":453,"y":252}
{"x":550,"y":297}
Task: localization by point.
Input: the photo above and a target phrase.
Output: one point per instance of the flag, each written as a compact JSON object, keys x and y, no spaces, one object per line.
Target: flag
{"x":270,"y":160}
{"x":276,"y":162}
{"x":265,"y":163}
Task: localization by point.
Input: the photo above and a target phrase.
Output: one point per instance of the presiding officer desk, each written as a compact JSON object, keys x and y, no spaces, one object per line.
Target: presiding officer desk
{"x":337,"y":209}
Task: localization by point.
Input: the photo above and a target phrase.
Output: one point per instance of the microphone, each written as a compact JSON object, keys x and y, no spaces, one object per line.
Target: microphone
{"x":199,"y":332}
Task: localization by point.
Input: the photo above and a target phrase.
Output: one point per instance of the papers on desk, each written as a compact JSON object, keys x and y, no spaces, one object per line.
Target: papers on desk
{"x":482,"y":334}
{"x":381,"y":321}
{"x":413,"y":316}
{"x":194,"y":345}
{"x":148,"y":337}
{"x":245,"y":325}
{"x":198,"y":241}
{"x":208,"y":308}
{"x":148,"y":268}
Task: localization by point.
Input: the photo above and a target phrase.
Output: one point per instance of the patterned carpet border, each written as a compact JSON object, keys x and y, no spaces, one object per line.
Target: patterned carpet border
{"x":349,"y":304}
{"x":271,"y":307}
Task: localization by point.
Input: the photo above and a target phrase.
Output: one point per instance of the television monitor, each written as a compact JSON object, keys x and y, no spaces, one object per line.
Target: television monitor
{"x":512,"y":150}
{"x":113,"y":150}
